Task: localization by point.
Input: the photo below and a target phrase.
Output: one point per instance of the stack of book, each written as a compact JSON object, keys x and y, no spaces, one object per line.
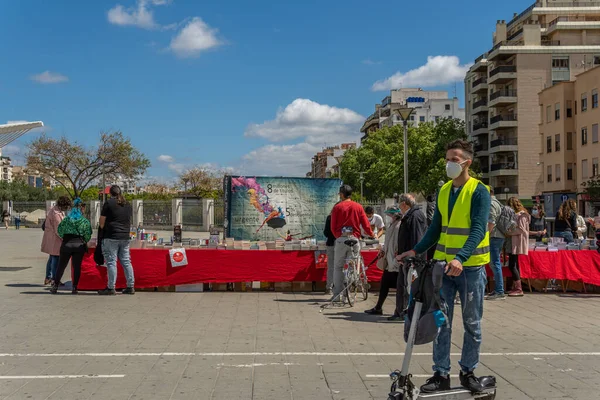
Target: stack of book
{"x":229,"y":243}
{"x":245,"y":245}
{"x":262,"y":246}
{"x":271,"y":245}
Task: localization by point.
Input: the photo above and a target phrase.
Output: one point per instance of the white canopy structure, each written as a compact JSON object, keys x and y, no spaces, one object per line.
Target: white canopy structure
{"x":11,"y":132}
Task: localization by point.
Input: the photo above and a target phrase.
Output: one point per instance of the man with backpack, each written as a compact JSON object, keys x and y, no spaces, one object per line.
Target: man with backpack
{"x":496,"y":244}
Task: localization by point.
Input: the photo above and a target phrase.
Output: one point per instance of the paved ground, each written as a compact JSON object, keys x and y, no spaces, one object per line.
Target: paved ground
{"x":261,"y":345}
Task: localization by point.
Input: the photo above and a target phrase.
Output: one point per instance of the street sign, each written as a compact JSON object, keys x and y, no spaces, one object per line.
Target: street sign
{"x":564,"y":198}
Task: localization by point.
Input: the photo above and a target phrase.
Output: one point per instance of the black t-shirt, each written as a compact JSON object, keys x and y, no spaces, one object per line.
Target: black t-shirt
{"x":118,"y":220}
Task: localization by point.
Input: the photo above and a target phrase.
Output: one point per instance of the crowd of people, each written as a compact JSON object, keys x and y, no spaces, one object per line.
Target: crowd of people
{"x":465,"y":226}
{"x":66,"y":235}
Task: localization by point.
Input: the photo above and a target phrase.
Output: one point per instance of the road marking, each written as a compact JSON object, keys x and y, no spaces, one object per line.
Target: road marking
{"x":253,"y":365}
{"x":60,"y":377}
{"x":414,"y":376}
{"x":254,"y":354}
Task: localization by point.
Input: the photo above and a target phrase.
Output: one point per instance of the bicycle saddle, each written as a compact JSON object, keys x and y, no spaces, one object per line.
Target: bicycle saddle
{"x":351,"y":242}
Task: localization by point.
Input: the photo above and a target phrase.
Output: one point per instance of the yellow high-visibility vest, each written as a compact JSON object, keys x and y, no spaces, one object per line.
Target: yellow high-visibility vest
{"x":455,"y":231}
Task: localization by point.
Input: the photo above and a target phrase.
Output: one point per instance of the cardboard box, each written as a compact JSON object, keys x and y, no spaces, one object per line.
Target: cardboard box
{"x":302,"y":286}
{"x":283,"y":286}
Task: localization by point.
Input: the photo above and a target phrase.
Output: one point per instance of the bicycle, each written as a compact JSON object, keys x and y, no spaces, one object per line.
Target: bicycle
{"x":355,"y":276}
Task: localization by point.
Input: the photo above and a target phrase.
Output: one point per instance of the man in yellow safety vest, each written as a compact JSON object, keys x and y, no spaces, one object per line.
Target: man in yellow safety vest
{"x":459,"y":227}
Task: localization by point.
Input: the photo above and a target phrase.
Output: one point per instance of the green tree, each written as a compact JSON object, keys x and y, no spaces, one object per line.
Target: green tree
{"x":381,"y":158}
{"x":76,"y":168}
{"x":592,"y":188}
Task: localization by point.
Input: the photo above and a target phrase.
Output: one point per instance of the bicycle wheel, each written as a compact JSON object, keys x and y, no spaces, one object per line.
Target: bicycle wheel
{"x":350,"y":289}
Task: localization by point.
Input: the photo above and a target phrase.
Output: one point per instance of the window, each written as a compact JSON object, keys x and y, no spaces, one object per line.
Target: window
{"x":584,"y":169}
{"x":549,"y":144}
{"x":557,"y":111}
{"x":583,"y":136}
{"x":596,"y":60}
{"x":595,"y":166}
{"x":584,"y":102}
{"x":569,"y":108}
{"x":447,"y":107}
{"x":595,"y":133}
{"x":412,"y":117}
{"x":557,"y":172}
{"x":569,"y":140}
{"x":569,"y":171}
{"x":595,"y":98}
{"x":548,"y":114}
{"x":575,"y":107}
{"x":560,"y":62}
{"x":557,"y":142}
{"x":422,"y":119}
{"x":549,"y":169}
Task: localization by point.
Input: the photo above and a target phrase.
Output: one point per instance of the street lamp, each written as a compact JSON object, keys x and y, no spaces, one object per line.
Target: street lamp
{"x":362,"y":179}
{"x":404,"y":114}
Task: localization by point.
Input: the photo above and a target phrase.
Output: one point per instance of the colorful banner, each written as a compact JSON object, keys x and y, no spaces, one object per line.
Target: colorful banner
{"x":265,"y":208}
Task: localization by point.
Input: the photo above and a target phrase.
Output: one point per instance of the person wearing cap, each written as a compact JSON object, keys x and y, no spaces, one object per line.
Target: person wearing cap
{"x":387,"y":260}
{"x":412,"y":230}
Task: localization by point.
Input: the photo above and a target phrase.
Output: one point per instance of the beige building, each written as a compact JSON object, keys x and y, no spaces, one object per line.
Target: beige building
{"x":569,"y":135}
{"x":325,"y":163}
{"x":548,"y":43}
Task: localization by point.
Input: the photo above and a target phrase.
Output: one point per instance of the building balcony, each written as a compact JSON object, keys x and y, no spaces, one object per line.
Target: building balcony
{"x":503,"y":145}
{"x":503,"y":97}
{"x":481,"y":149}
{"x":480,"y":64}
{"x":479,"y":85}
{"x":480,"y":128}
{"x":570,"y":4}
{"x":502,"y":74}
{"x":504,"y":169}
{"x":480,"y":106}
{"x":506,"y":192}
{"x":503,"y":121}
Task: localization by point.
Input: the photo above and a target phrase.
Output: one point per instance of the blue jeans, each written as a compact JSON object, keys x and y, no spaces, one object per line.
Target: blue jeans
{"x":470,"y":285}
{"x":113,"y":249}
{"x":51,"y":266}
{"x":568,"y":236}
{"x":496,"y":245}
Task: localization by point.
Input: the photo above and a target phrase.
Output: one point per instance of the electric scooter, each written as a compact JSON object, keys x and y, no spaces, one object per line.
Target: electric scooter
{"x":402,"y":385}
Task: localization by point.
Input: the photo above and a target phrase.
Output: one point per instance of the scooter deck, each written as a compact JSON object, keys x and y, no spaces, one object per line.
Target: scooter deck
{"x":459,"y":394}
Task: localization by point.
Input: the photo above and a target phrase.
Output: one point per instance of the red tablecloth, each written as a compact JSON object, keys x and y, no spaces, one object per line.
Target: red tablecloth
{"x":573,"y":265}
{"x":152,"y":268}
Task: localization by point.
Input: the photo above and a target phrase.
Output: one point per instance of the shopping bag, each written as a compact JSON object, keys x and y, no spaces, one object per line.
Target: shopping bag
{"x":178,"y":257}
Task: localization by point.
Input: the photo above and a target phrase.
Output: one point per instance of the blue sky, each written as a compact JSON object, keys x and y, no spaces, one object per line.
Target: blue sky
{"x":254,"y":86}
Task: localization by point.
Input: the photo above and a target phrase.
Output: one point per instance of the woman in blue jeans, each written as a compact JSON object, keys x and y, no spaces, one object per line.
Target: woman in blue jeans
{"x":115,"y":224}
{"x":566,"y":222}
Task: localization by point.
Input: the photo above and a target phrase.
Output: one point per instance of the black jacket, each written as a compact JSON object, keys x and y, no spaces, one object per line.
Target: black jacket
{"x":412,"y":229}
{"x":328,"y":233}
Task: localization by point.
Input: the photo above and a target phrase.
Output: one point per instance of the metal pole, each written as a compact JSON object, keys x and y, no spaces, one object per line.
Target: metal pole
{"x":405,"y":156}
{"x":362,"y":179}
{"x":103,"y":186}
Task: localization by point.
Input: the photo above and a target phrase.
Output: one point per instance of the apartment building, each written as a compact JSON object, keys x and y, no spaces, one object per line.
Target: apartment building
{"x":429,"y":106}
{"x":6,"y":168}
{"x":548,"y":43}
{"x":325,"y":163}
{"x":569,"y":137}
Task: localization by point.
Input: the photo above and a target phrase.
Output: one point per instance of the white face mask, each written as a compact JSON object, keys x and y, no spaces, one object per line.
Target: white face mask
{"x":535,"y":213}
{"x":454,"y":169}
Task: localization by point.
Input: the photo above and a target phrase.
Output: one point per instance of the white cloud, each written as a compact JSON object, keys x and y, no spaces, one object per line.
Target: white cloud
{"x":306,"y":118}
{"x":48,"y":77}
{"x":195,"y":38}
{"x":439,"y":70}
{"x":319,"y":125}
{"x":140,"y":16}
{"x":177,"y":168}
{"x":165,"y":158}
{"x":368,"y":61}
{"x":274,"y":160}
{"x":11,"y":150}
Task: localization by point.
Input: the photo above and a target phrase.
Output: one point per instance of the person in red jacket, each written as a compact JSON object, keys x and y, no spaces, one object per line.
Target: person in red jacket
{"x":347,"y":218}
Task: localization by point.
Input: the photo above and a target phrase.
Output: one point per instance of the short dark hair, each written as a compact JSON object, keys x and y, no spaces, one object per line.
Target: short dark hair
{"x":463,"y":145}
{"x":64,"y":203}
{"x":346,"y":190}
{"x":369,"y":210}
